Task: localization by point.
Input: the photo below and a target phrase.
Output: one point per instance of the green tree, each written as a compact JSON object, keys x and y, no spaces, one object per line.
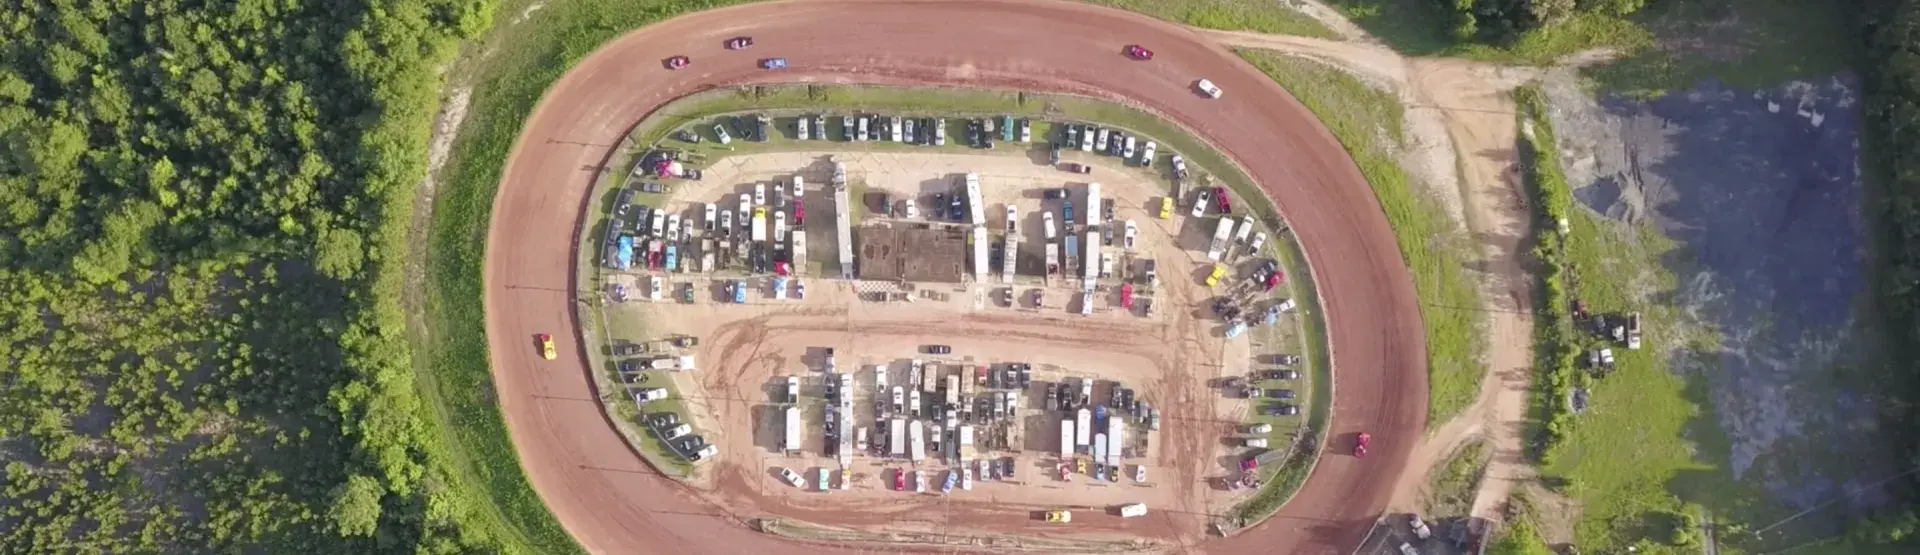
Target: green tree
{"x":356,"y":506}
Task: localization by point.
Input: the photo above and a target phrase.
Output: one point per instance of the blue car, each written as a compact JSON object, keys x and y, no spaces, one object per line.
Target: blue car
{"x":773,"y":63}
{"x":740,"y":292}
{"x":673,"y":257}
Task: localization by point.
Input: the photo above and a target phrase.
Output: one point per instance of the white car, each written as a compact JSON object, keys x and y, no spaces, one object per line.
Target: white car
{"x":655,"y":287}
{"x":720,"y":131}
{"x":893,"y":124}
{"x":800,"y":123}
{"x":1140,"y":473}
{"x":759,"y":194}
{"x":779,"y":226}
{"x":673,"y":226}
{"x":911,"y":137}
{"x":679,"y":432}
{"x":899,"y":395}
{"x":1127,"y":238}
{"x":846,"y":127}
{"x":713,"y":216}
{"x":1013,"y":217}
{"x":1126,"y":149}
{"x":912,"y":211}
{"x":799,"y":187}
{"x":706,"y":452}
{"x":793,"y":478}
{"x":1209,"y":88}
{"x":861,"y":129}
{"x":1086,"y":139}
{"x":793,"y":389}
{"x":939,"y":131}
{"x":1026,"y":131}
{"x":726,"y":221}
{"x":1100,"y":140}
{"x":659,"y":223}
{"x":641,"y":396}
{"x":1146,"y":154}
{"x":966,"y":477}
{"x":1179,"y":167}
{"x":1259,"y":240}
{"x":1200,"y":204}
{"x":919,"y":482}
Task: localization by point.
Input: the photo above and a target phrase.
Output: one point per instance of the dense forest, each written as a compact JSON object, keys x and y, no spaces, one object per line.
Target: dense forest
{"x":1501,"y":21}
{"x":202,"y":211}
{"x":1891,"y":161}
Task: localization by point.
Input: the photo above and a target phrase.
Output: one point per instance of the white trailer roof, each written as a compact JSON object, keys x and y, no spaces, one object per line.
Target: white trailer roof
{"x":980,"y":259}
{"x":794,"y":425}
{"x":898,"y":437}
{"x":1093,"y":204}
{"x":1066,"y":438}
{"x":1083,"y":428}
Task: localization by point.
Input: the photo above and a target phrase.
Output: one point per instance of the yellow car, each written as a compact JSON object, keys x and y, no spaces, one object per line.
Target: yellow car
{"x":1059,"y":516}
{"x":1219,"y":271}
{"x":546,"y":347}
{"x":1166,"y":207}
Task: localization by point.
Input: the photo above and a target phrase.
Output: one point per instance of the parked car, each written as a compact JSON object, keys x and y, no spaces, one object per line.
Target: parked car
{"x":720,"y":133}
{"x":1281,"y":410}
{"x":663,"y":419}
{"x":793,"y":478}
{"x":937,"y":349}
{"x":1074,"y":167}
{"x":1146,"y":154}
{"x":1280,"y":393}
{"x":1280,"y":375}
{"x":1284,"y":359}
{"x":1200,"y":203}
{"x":1220,"y":198}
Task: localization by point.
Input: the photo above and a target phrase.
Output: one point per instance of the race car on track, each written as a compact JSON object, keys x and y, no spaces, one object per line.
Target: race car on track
{"x":546,"y":347}
{"x":1138,"y":52}
{"x":678,"y":62}
{"x":1208,"y":88}
{"x":737,"y":43}
{"x":1360,"y":444}
{"x":1059,"y":516}
{"x":773,"y":63}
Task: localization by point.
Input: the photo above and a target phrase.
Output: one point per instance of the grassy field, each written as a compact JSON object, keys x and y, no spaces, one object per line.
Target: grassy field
{"x":1450,"y":488}
{"x":1368,"y":123}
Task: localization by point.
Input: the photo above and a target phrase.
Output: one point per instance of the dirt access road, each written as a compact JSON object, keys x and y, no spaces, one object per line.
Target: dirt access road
{"x":607,"y":497}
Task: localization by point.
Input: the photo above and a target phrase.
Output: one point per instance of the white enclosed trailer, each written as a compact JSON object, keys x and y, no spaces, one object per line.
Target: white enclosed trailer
{"x":917,"y":441}
{"x":1116,"y":438}
{"x":794,"y":426}
{"x":1093,"y":204}
{"x":1066,"y":438}
{"x":897,"y":439}
{"x":1083,"y":427}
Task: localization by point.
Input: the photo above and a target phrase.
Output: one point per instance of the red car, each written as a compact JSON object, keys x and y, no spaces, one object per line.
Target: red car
{"x":737,"y":43}
{"x":1360,"y":444}
{"x":678,"y":62}
{"x":1220,"y":199}
{"x":1249,"y":465}
{"x":1071,"y":167}
{"x":1138,"y":52}
{"x":900,"y":480}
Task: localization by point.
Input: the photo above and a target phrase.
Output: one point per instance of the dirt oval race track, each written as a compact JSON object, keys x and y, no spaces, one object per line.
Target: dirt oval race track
{"x":610,"y":500}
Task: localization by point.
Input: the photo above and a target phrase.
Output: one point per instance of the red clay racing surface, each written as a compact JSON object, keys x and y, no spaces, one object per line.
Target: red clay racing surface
{"x":611,"y":501}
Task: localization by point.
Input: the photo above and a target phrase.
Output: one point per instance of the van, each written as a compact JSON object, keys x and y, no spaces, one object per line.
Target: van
{"x":1133,"y":510}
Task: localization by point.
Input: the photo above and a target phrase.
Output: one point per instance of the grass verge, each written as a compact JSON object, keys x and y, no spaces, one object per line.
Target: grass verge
{"x":1262,"y":16}
{"x":1368,"y":124}
{"x":1451,"y":487}
{"x":1549,"y":198}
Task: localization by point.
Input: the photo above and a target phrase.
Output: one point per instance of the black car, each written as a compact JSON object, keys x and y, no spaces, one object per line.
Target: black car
{"x":1108,"y":209}
{"x":819,"y":127}
{"x":1281,"y":410}
{"x":628,"y":349}
{"x":1053,"y":399}
{"x":663,"y":420}
{"x":631,"y":365}
{"x":1280,"y":393}
{"x":1114,"y":144}
{"x":937,"y":349}
{"x":649,"y":187}
{"x":1072,"y":133}
{"x":993,"y":378}
{"x":1026,"y":375}
{"x":1280,"y":375}
{"x":1106,"y":235}
{"x":1057,"y":193}
{"x":1126,"y":399}
{"x":1285,"y":360}
{"x":690,"y":444}
{"x":959,"y":209}
{"x":1053,"y":154}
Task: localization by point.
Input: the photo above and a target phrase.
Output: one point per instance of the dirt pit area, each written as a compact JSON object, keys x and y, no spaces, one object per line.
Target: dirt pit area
{"x":1172,"y":359}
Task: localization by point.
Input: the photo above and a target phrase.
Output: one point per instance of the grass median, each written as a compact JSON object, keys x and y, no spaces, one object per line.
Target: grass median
{"x":1368,"y":123}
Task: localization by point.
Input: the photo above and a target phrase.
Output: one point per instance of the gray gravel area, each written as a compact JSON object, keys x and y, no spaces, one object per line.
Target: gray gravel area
{"x":1761,"y":189}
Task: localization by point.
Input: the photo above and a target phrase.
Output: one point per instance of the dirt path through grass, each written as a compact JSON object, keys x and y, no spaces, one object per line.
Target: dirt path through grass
{"x":1460,"y":119}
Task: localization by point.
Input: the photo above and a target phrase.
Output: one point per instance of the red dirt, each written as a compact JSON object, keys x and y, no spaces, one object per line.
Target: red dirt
{"x":609,"y":499}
